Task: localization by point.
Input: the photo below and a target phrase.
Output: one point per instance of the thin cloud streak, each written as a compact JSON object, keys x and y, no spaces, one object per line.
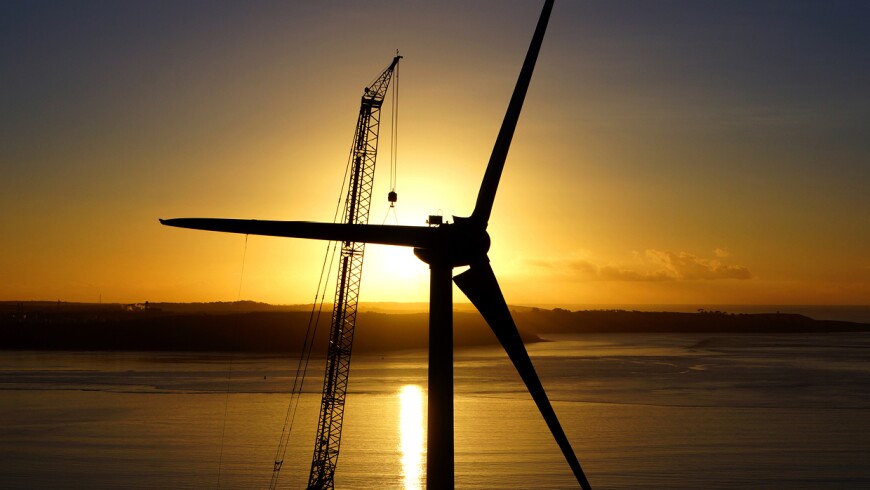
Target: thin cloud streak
{"x":652,"y":265}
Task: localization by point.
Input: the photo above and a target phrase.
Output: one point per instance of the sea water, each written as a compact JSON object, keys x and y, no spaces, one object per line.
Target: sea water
{"x":642,"y":411}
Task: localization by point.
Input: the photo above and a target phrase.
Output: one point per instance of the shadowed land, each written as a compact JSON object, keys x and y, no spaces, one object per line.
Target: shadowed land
{"x":263,"y":328}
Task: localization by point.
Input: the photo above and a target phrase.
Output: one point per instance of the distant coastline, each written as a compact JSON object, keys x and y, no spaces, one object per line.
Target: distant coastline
{"x":261,"y":328}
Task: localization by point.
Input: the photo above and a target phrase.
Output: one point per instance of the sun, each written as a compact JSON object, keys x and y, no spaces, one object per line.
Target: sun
{"x":394,"y":274}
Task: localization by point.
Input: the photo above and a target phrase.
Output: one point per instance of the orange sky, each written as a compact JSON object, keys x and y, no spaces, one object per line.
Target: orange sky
{"x":667,"y":153}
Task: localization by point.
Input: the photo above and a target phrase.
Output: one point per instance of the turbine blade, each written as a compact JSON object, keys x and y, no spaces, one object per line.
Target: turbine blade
{"x":489,"y":186}
{"x":481,"y":287}
{"x":407,"y":236}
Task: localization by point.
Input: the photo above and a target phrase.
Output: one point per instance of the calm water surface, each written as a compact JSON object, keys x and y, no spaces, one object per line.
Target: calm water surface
{"x":654,"y":411}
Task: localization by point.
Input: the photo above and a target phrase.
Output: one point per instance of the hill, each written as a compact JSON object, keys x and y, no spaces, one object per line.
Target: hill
{"x":258,"y":327}
{"x":213,"y":327}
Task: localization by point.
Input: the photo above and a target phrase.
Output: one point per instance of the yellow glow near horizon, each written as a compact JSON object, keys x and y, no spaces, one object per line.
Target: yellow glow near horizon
{"x":412,"y":433}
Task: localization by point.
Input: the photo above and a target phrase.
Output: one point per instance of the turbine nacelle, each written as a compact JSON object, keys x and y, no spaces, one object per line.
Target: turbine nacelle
{"x":456,"y":244}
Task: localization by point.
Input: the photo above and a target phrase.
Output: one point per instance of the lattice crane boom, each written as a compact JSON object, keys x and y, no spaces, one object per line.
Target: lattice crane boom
{"x":356,"y":211}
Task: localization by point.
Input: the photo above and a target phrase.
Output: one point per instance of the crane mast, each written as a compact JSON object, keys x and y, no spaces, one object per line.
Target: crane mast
{"x":356,"y":211}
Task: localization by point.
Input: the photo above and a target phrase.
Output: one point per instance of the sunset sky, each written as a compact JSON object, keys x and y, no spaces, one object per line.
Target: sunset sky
{"x":668,"y":151}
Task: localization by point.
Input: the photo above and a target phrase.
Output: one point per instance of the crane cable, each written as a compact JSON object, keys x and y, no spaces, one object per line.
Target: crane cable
{"x":308,"y":342}
{"x":304,"y":359}
{"x":392,"y":197}
{"x":394,"y":133}
{"x":229,"y":373}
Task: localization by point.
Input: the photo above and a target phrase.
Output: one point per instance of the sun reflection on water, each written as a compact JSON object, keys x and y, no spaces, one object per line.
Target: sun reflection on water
{"x":412,"y":432}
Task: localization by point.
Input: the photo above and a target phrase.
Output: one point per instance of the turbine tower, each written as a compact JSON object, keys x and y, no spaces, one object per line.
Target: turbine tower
{"x":465,"y":242}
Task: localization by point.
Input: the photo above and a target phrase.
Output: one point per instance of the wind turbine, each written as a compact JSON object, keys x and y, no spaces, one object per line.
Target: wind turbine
{"x":465,"y":242}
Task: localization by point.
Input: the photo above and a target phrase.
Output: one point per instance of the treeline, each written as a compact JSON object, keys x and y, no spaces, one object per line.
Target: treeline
{"x":264,"y":332}
{"x":625,"y":321}
{"x":219,"y":327}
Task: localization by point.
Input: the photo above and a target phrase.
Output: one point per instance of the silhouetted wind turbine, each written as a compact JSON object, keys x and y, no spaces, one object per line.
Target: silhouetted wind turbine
{"x":462,"y":243}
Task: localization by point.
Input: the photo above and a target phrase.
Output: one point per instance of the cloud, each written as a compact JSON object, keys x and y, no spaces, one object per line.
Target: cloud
{"x":610,"y":273}
{"x":721,"y":253}
{"x":651,"y":265}
{"x":684,"y":265}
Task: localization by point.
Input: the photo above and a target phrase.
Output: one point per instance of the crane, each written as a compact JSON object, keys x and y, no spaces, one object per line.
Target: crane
{"x":356,"y":211}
